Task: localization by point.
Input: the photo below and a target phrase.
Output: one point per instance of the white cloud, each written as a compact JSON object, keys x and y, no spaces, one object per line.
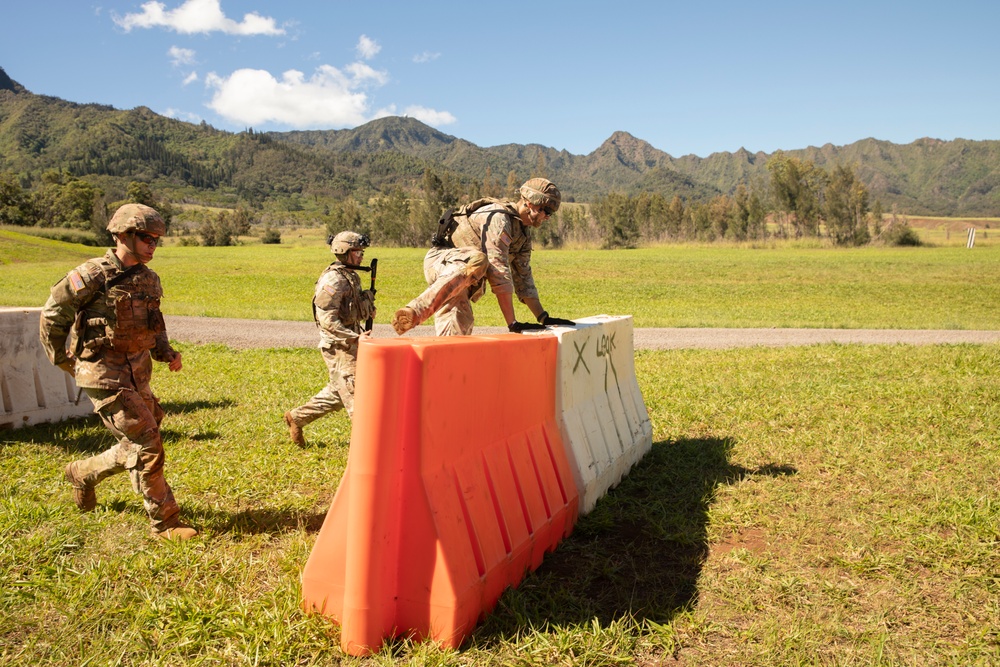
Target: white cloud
{"x":254,"y":97}
{"x":363,"y":75}
{"x":425,"y":57}
{"x":429,"y":116}
{"x":190,"y":78}
{"x":182,"y":115}
{"x":197,"y":16}
{"x":329,"y":98}
{"x":179,"y":56}
{"x":423,"y":114}
{"x":367,"y":47}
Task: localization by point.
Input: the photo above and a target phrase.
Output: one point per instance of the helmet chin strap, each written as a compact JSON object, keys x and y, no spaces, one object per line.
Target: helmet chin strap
{"x":129,"y":243}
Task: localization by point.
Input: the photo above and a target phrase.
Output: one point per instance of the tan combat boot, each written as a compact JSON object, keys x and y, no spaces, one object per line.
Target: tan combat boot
{"x":404,"y":320}
{"x":295,"y":431}
{"x":83,"y":494}
{"x":177,"y":533}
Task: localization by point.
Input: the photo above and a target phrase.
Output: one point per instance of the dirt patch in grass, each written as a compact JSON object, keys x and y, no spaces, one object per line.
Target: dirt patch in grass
{"x":753,"y":540}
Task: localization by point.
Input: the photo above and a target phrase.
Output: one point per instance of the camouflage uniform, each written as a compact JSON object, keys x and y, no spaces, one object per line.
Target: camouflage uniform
{"x":112,"y":320}
{"x":340,"y":306}
{"x":491,"y":245}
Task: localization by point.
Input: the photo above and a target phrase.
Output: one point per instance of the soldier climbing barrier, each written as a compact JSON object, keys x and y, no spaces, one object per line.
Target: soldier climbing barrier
{"x":471,"y":457}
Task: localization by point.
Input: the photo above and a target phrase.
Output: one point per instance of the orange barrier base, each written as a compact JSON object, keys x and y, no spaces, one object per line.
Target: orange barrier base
{"x":456,"y":485}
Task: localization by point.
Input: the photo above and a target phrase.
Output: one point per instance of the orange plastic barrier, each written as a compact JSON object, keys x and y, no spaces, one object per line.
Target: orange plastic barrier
{"x":457,"y":483}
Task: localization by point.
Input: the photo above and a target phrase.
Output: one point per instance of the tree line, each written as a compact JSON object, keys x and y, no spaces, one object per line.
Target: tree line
{"x":798,"y":200}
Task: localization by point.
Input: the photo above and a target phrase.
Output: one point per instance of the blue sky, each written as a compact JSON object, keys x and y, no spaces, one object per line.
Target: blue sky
{"x":688,"y":77}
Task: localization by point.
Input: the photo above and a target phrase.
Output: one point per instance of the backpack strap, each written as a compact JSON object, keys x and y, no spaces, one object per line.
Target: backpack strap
{"x":448,"y":223}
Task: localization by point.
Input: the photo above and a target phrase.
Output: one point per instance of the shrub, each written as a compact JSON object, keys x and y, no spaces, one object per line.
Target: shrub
{"x":901,"y":234}
{"x":270,"y":236}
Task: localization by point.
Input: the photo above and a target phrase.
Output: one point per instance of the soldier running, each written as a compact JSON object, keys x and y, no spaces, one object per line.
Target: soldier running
{"x":108,"y":309}
{"x":340,"y":306}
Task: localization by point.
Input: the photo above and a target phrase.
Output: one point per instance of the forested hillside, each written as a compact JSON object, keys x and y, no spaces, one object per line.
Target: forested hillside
{"x":65,"y":165}
{"x":39,"y":133}
{"x":927,"y":177}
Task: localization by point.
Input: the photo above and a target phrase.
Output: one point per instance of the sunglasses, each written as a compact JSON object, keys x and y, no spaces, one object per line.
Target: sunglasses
{"x":546,"y":210}
{"x":148,"y":239}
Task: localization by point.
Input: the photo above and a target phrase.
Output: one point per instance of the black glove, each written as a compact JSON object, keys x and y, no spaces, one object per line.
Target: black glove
{"x":550,"y":321}
{"x":520,"y":327}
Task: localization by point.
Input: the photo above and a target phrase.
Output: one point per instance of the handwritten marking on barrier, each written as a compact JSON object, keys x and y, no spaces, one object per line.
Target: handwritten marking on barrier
{"x":579,"y":356}
{"x":605,"y":346}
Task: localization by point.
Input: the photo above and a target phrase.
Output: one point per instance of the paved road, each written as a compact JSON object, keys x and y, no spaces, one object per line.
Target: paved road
{"x":244,"y":334}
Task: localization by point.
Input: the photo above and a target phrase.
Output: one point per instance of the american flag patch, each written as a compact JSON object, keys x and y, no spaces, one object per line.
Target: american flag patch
{"x":505,"y":238}
{"x":76,"y":280}
{"x":329,"y":290}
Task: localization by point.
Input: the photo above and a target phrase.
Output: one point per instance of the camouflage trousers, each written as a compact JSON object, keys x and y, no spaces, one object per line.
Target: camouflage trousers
{"x":133,"y":415}
{"x":455,"y":279}
{"x":338,"y":392}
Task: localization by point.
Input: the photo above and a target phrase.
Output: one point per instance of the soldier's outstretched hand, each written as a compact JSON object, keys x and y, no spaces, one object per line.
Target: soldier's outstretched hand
{"x":175,"y":363}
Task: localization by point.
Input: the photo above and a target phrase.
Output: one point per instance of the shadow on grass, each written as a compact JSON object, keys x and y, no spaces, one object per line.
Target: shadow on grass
{"x":87,"y":435}
{"x":325,"y":444}
{"x":169,"y":435}
{"x":638,"y":554}
{"x":78,"y":436}
{"x":256,"y":521}
{"x":184,"y":407}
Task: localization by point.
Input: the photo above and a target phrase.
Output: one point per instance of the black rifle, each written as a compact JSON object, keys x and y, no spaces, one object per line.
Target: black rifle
{"x":371,"y":320}
{"x":373,"y":269}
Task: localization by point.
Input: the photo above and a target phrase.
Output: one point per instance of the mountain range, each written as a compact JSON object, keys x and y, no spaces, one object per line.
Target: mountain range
{"x":104,"y":144}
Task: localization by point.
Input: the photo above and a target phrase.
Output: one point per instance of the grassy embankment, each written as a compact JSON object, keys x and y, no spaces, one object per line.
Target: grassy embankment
{"x":831,"y":504}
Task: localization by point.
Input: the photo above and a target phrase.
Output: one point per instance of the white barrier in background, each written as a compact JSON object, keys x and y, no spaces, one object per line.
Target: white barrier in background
{"x":603,"y":418}
{"x":32,"y":390}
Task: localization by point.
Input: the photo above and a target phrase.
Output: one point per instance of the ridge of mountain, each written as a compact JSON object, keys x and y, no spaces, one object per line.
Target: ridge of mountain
{"x":928,"y":176}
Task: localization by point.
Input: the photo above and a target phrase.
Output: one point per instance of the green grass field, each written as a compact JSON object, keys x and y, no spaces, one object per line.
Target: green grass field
{"x":821,"y":505}
{"x":671,"y":286}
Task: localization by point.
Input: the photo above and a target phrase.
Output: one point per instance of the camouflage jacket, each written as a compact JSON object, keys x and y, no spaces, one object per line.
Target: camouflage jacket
{"x":497,"y":231}
{"x":339,"y":307}
{"x":110,"y":317}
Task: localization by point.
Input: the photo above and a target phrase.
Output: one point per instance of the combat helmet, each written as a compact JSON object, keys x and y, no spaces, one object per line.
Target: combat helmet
{"x":137,"y":217}
{"x":344,"y":242}
{"x":541,"y":192}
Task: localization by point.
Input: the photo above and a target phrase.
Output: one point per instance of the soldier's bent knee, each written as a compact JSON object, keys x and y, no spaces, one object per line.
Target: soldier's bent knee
{"x":476,"y":268}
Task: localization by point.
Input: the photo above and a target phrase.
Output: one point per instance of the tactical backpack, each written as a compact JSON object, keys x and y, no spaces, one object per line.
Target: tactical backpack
{"x":448,"y":221}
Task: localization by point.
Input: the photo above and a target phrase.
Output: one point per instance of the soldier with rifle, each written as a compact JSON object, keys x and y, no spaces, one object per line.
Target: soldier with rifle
{"x":340,"y":308}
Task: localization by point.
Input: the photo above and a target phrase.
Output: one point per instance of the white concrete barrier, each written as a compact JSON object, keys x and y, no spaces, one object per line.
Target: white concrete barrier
{"x":32,"y":390}
{"x":603,"y":417}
